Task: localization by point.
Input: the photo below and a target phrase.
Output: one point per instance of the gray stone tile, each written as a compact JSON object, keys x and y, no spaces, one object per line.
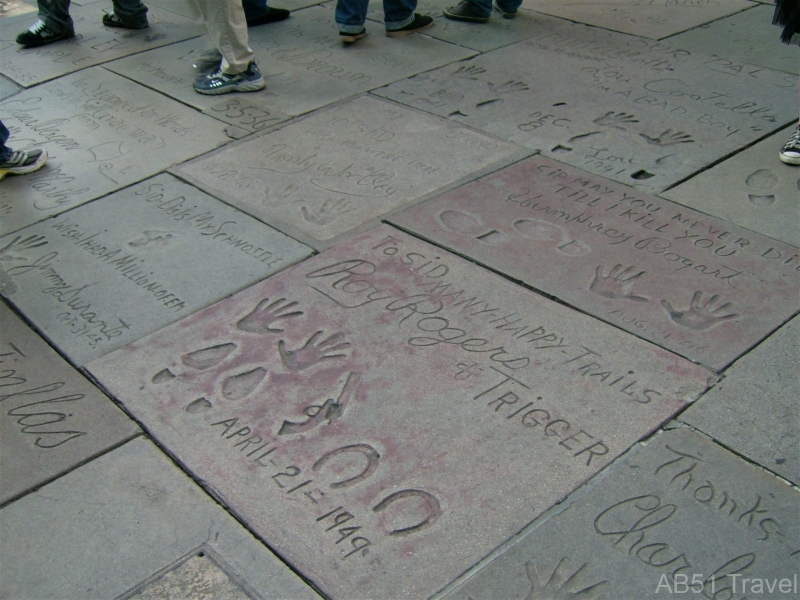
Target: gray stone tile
{"x":754,"y":410}
{"x":7,"y":88}
{"x":52,"y":418}
{"x":496,"y":33}
{"x":647,"y":114}
{"x":93,"y":44}
{"x":344,"y":167}
{"x":106,"y":273}
{"x":102,"y":132}
{"x":746,"y":37}
{"x":185,"y":7}
{"x":128,"y":522}
{"x":363,"y":411}
{"x":680,"y":518}
{"x":655,"y":19}
{"x":695,"y":284}
{"x":305,"y":64}
{"x":752,"y":189}
{"x":14,"y":8}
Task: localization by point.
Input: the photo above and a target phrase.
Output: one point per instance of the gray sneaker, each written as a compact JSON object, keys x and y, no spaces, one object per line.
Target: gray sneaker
{"x":503,"y":13}
{"x":219,"y":82}
{"x":20,"y":162}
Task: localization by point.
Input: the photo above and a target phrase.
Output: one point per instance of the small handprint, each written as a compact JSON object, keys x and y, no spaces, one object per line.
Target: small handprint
{"x":617,"y":120}
{"x":312,"y":352}
{"x":562,"y":582}
{"x":669,"y":138}
{"x":699,"y":316}
{"x":470,"y":72}
{"x":508,"y":87}
{"x":20,"y":244}
{"x":280,"y":193}
{"x":263,"y":315}
{"x":329,"y":211}
{"x":617,"y":284}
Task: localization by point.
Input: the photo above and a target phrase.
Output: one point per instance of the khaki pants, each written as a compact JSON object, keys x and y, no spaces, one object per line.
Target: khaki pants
{"x":225,"y":22}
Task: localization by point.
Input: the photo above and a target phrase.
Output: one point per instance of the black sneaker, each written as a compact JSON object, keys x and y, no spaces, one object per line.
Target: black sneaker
{"x":349,"y":38}
{"x":224,"y":83}
{"x":21,"y":162}
{"x":40,"y":34}
{"x":790,"y":153}
{"x":112,"y":20}
{"x":504,"y":14}
{"x":465,"y":11}
{"x":273,"y":15}
{"x":419,"y":23}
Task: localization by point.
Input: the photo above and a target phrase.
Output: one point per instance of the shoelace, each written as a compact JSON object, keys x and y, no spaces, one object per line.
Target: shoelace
{"x":37,"y":27}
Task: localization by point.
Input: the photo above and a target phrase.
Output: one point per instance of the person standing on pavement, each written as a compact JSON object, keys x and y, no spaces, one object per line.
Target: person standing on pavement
{"x":226,"y":24}
{"x":55,"y":24}
{"x":479,"y":11}
{"x":18,"y":162}
{"x":787,"y":15}
{"x":398,"y":16}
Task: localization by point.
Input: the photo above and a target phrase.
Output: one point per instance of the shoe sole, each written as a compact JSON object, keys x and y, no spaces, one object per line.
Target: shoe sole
{"x":38,"y":43}
{"x":244,"y":87}
{"x":25,"y":170}
{"x":789,"y":160}
{"x":349,"y":38}
{"x":402,"y":32}
{"x":467,"y":19}
{"x":503,"y":14}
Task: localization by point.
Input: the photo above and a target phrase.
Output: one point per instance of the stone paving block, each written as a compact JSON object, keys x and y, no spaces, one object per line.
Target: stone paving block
{"x":496,"y":33}
{"x":647,"y":114}
{"x":102,"y":132}
{"x":746,"y":37}
{"x":700,"y":286}
{"x":344,"y":167}
{"x":752,"y":189}
{"x":100,"y":276}
{"x":754,"y":410}
{"x":52,"y":418}
{"x":93,"y":44}
{"x":655,"y":19}
{"x":13,"y":8}
{"x":372,"y":413}
{"x":303,"y":61}
{"x":184,"y":7}
{"x":680,"y":518}
{"x":126,"y":525}
{"x":7,"y":88}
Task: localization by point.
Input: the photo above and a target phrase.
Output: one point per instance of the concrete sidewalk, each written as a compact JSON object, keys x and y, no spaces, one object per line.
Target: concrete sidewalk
{"x":505,"y":310}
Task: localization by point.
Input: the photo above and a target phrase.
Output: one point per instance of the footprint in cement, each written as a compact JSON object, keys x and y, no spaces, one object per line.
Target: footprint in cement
{"x":761,"y":180}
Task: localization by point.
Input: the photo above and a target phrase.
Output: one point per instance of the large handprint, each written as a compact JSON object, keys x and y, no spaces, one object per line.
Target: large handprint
{"x":21,"y":244}
{"x":263,"y":315}
{"x":312,"y":352}
{"x":562,"y":584}
{"x":617,"y":284}
{"x":699,"y":316}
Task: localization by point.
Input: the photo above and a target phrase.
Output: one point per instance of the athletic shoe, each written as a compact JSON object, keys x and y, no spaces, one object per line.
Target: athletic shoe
{"x":21,"y":162}
{"x":40,"y":34}
{"x":504,"y":14}
{"x":112,"y":20}
{"x":790,"y":153}
{"x":273,"y":15}
{"x":208,"y":62}
{"x":349,"y":38}
{"x":465,"y":11}
{"x":224,"y":83}
{"x":419,"y":23}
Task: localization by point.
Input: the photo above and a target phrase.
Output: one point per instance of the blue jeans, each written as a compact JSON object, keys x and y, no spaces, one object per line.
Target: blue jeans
{"x":351,"y":14}
{"x":55,"y":13}
{"x":484,"y":7}
{"x":5,"y":151}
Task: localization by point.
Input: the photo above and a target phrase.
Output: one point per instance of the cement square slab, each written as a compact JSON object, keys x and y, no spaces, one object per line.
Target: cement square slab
{"x":341,"y":168}
{"x":362,"y":412}
{"x":102,"y":132}
{"x":655,"y":19}
{"x":94,"y":43}
{"x":13,"y":8}
{"x":128,"y":522}
{"x":679,"y":514}
{"x":303,"y":61}
{"x":496,"y":33}
{"x":52,"y":418}
{"x":7,"y":88}
{"x":104,"y":274}
{"x":754,"y":410}
{"x":752,"y":189}
{"x":695,"y":284}
{"x":186,"y":8}
{"x":647,"y":114}
{"x":746,"y":37}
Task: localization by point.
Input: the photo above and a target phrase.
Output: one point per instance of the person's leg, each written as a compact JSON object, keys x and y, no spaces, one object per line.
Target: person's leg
{"x":55,"y":14}
{"x":131,"y":14}
{"x":256,"y":12}
{"x":475,"y":11}
{"x":400,"y":19}
{"x":5,"y":151}
{"x":350,"y":16}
